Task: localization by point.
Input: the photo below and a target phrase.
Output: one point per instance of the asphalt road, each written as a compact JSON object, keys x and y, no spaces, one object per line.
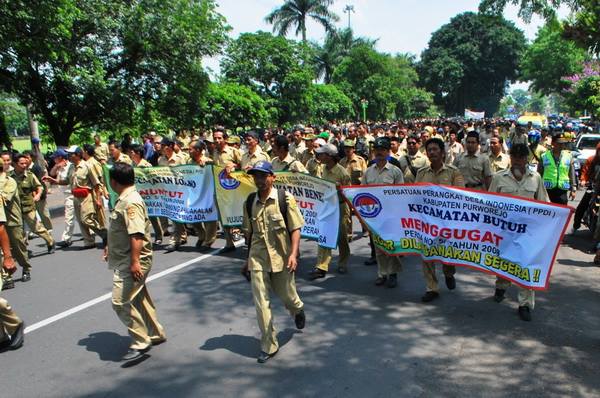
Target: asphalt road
{"x":360,"y":340}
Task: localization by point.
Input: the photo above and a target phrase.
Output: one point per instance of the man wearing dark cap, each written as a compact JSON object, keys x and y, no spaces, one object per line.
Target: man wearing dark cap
{"x":519,"y":180}
{"x":438,"y":172}
{"x":557,"y":170}
{"x":383,"y":172}
{"x":273,"y":241}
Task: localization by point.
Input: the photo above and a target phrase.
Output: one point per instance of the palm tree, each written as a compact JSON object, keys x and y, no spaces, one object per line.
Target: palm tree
{"x":296,"y":12}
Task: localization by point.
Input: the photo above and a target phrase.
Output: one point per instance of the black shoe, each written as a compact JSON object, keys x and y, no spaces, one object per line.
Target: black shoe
{"x":64,"y":243}
{"x":371,"y":261}
{"x":499,"y":295}
{"x":392,"y":281}
{"x":524,"y":313}
{"x":8,"y":284}
{"x":171,"y":248}
{"x":450,"y":283}
{"x":133,"y":354}
{"x":264,"y":357}
{"x":51,"y":248}
{"x":236,"y":236}
{"x":576,"y":225}
{"x":183,"y":242}
{"x":204,"y":249}
{"x":300,"y":320}
{"x":26,"y":276}
{"x":227,"y":249}
{"x":4,"y":345}
{"x":429,"y":296}
{"x":317,"y":273}
{"x":380,"y":280}
{"x":17,"y":338}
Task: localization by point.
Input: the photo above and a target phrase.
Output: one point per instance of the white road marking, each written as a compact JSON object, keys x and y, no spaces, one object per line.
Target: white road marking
{"x":107,"y":296}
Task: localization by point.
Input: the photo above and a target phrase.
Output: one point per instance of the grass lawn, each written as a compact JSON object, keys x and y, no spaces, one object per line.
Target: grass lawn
{"x":24,"y":144}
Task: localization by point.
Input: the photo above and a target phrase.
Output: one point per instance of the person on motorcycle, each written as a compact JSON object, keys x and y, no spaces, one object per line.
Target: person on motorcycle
{"x":535,"y":149}
{"x":589,"y":174}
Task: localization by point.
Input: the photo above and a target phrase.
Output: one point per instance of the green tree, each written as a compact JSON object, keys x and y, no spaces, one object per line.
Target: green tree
{"x":275,"y":67}
{"x":297,"y":12}
{"x":583,"y":26}
{"x":326,"y":102}
{"x":234,"y":105}
{"x":92,"y":63}
{"x":470,"y":60}
{"x":521,"y":98}
{"x":549,"y":58}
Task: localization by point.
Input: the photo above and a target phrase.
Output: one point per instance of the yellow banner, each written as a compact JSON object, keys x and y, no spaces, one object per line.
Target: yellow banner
{"x":231,"y":192}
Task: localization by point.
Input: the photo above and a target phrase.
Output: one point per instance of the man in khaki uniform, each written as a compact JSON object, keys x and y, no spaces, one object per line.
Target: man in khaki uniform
{"x":454,"y":149}
{"x":499,"y":161}
{"x":333,"y":172}
{"x":474,"y":166}
{"x":96,"y":168}
{"x":114,"y":148}
{"x":414,"y":159}
{"x":14,"y":227}
{"x":519,"y":180}
{"x":438,"y":173}
{"x":383,"y":172}
{"x":297,"y":147}
{"x":313,"y":165}
{"x":355,"y":166}
{"x":12,"y":328}
{"x":205,"y":231}
{"x":253,"y":153}
{"x":309,"y":152}
{"x":283,"y":161}
{"x":129,"y":255}
{"x":101,"y":150}
{"x":274,"y":241}
{"x":30,"y":191}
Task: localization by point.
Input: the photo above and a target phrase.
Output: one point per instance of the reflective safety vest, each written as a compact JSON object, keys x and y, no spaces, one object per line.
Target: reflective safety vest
{"x":557,"y":177}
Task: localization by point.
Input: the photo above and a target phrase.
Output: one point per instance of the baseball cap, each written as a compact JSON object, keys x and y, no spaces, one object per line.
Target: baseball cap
{"x":320,"y":141}
{"x":349,"y":143}
{"x":328,"y":149}
{"x":382,"y":142}
{"x":262,"y":166}
{"x":60,"y":153}
{"x":74,"y":149}
{"x":309,"y":137}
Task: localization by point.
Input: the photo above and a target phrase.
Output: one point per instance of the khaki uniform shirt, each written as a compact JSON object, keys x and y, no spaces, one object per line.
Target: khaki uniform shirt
{"x":96,"y":168}
{"x":270,"y":242}
{"x":80,"y":176}
{"x":535,"y":157}
{"x":499,"y":163}
{"x":531,"y":185}
{"x":249,"y":160}
{"x":314,"y":167}
{"x":229,"y":155}
{"x":296,"y":150}
{"x":204,"y":161}
{"x":123,"y":158}
{"x":452,"y":152}
{"x":2,"y":211}
{"x":28,"y":183}
{"x":474,"y":168}
{"x":144,"y":163}
{"x":11,"y":201}
{"x":389,"y":174}
{"x":306,"y":156}
{"x":418,"y":161}
{"x":174,"y":160}
{"x":355,"y":166}
{"x":129,"y":217}
{"x":447,"y":175}
{"x":288,"y":164}
{"x":101,"y":152}
{"x":337,"y":174}
{"x":183,"y":155}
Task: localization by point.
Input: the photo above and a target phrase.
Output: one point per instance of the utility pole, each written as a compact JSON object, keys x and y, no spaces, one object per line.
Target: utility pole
{"x":349,"y":9}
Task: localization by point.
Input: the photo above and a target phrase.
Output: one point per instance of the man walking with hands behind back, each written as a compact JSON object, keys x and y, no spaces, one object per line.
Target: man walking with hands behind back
{"x":272,"y":231}
{"x":129,"y":255}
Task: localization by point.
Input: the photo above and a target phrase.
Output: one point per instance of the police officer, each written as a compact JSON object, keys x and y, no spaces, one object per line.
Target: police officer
{"x":30,"y":191}
{"x":274,"y":240}
{"x":12,"y":328}
{"x":129,"y":255}
{"x":438,"y":172}
{"x":519,"y":180}
{"x":333,"y":172}
{"x":474,"y":166}
{"x":557,"y":170}
{"x":383,"y":172}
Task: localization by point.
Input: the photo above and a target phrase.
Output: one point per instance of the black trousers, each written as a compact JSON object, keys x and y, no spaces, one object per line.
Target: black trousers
{"x":558,"y":196}
{"x":583,"y":205}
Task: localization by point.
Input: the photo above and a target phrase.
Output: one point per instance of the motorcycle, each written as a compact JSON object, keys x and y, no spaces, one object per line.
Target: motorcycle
{"x":590,"y":217}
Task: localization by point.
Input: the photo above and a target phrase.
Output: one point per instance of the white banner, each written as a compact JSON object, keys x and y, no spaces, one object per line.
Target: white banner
{"x":181,"y":193}
{"x":469,"y":114}
{"x":512,"y":237}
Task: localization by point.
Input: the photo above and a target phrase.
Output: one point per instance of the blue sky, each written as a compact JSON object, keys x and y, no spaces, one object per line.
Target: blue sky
{"x":402,"y":26}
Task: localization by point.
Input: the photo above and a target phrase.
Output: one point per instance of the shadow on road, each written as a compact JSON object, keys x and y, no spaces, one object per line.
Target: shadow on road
{"x":109,"y":346}
{"x":245,"y":346}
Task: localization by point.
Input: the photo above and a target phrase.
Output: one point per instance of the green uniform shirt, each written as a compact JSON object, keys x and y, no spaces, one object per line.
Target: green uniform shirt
{"x":129,"y":217}
{"x":28,"y":184}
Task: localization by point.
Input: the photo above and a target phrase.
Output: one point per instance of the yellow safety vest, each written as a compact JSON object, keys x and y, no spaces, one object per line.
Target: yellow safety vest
{"x":557,"y":177}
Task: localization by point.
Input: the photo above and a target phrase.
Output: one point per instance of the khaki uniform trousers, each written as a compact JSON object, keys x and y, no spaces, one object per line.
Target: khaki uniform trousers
{"x":431,"y":281}
{"x":42,"y":209}
{"x":387,"y":265}
{"x":526,"y":296}
{"x":206,"y":232}
{"x":284,"y":285}
{"x":69,"y":218}
{"x":86,"y":216}
{"x":30,"y":219}
{"x":18,"y":246}
{"x":157,"y":227}
{"x":324,"y":254}
{"x":8,"y":319}
{"x":134,"y":307}
{"x":100,"y":212}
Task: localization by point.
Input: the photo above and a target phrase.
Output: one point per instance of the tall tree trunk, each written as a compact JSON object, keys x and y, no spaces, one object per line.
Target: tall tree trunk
{"x":4,"y":136}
